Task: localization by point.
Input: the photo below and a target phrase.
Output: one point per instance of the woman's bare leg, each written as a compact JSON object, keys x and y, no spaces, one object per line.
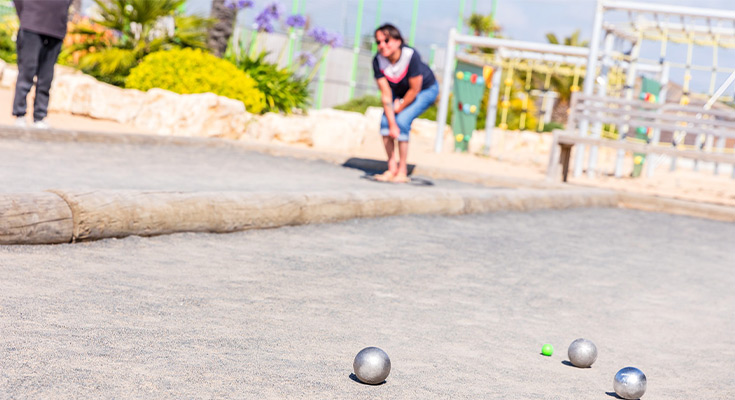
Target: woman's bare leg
{"x":390,"y":147}
{"x":402,"y":170}
{"x":392,"y":161}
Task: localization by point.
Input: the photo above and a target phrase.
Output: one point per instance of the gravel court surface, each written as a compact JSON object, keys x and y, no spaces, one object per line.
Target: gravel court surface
{"x":461,"y":304}
{"x":27,"y":166}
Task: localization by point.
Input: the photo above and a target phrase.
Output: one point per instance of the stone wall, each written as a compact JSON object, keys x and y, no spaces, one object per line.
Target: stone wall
{"x":206,"y":114}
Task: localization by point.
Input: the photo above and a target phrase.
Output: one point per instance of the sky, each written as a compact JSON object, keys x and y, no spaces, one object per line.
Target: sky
{"x":520,"y":19}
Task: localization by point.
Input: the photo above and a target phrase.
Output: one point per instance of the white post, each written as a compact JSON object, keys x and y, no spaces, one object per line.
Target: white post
{"x":492,"y":108}
{"x":441,"y":119}
{"x":589,"y":81}
{"x":602,"y":90}
{"x":652,"y":159}
{"x":629,"y":89}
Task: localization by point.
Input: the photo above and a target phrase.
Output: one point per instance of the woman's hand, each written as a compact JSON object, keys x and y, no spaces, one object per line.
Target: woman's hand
{"x":394,"y":131}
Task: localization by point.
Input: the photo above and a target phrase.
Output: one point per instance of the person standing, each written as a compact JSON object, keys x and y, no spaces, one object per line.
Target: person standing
{"x":407,"y":88}
{"x":42,"y":30}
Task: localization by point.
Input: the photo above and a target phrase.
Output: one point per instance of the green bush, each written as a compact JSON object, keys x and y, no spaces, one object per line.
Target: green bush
{"x":283,"y":91}
{"x":553,"y":125}
{"x":360,"y":104}
{"x":189,"y":71}
{"x":8,"y":29}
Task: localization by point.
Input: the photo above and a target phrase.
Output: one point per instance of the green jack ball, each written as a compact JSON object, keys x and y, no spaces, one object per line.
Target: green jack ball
{"x":547,"y":350}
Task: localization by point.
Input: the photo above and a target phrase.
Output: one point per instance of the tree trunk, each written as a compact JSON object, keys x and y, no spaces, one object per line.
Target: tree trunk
{"x":560,"y":112}
{"x":219,"y":34}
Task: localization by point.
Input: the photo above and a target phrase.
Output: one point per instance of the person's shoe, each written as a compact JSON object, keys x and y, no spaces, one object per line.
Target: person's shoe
{"x":41,"y":125}
{"x":20,"y":122}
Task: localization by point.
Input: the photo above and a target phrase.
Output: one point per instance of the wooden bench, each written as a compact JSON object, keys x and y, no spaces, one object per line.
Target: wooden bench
{"x":588,"y":113}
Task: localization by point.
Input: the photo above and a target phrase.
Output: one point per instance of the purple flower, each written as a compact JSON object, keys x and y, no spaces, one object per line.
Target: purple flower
{"x":238,"y":4}
{"x":325,"y":38}
{"x":306,"y":58}
{"x":335,"y":39}
{"x":320,"y":35}
{"x":296,"y":21}
{"x":264,"y":20}
{"x":263,"y":23}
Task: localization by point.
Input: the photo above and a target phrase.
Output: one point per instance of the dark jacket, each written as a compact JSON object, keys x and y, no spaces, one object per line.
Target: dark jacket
{"x":47,"y":17}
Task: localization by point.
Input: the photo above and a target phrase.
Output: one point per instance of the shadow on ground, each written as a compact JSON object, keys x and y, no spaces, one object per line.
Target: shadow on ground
{"x":370,"y":166}
{"x":375,"y":167}
{"x":354,"y":378}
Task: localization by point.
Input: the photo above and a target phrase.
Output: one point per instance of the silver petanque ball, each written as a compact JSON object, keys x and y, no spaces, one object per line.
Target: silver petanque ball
{"x":582,"y":353}
{"x":371,"y":365}
{"x":630,"y":383}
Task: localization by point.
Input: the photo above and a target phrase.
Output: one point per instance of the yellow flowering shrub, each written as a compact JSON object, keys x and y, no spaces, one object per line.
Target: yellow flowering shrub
{"x":188,"y":71}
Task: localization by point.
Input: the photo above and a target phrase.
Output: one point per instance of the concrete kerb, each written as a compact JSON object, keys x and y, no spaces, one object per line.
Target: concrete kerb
{"x":107,"y":214}
{"x":61,"y":216}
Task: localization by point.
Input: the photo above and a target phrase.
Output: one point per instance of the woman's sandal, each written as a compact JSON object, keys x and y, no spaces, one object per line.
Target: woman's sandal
{"x":386,"y":176}
{"x":400,"y":178}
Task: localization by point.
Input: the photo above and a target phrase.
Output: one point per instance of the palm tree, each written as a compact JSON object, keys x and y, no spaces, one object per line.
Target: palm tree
{"x":482,"y":25}
{"x":144,"y":26}
{"x":76,"y":8}
{"x":572,"y":40}
{"x":219,"y":34}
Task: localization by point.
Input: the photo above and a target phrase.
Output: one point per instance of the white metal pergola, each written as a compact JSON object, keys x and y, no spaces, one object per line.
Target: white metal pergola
{"x":508,"y":49}
{"x":652,"y":22}
{"x":646,"y":22}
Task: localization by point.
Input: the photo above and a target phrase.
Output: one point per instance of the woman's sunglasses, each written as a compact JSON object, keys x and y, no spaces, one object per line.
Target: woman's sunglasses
{"x":378,"y":41}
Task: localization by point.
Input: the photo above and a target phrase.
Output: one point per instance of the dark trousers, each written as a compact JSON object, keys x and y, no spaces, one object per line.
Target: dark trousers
{"x":37,"y":55}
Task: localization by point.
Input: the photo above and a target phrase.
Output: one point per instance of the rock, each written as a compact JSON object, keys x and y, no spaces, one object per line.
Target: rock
{"x":424,"y":128}
{"x":72,"y":94}
{"x":374,"y":115}
{"x":158,"y":112}
{"x":83,"y":95}
{"x":204,"y":114}
{"x":324,"y":129}
{"x":113,"y":103}
{"x":207,"y":114}
{"x":339,"y":130}
{"x":339,"y":135}
{"x":10,"y":75}
{"x":287,"y":129}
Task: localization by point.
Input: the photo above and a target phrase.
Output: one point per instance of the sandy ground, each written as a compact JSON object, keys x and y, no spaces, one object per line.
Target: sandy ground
{"x":29,"y":166}
{"x":461,"y":304}
{"x":512,"y":160}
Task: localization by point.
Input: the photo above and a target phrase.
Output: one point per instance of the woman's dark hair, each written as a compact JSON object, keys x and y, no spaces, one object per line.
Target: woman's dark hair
{"x":389,"y":31}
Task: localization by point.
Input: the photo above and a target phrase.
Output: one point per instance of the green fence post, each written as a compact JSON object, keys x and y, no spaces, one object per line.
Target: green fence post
{"x":432,"y":53}
{"x":356,"y":48}
{"x":493,"y":10}
{"x":292,"y":34}
{"x":414,"y":17}
{"x":460,"y":19}
{"x":322,"y":78}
